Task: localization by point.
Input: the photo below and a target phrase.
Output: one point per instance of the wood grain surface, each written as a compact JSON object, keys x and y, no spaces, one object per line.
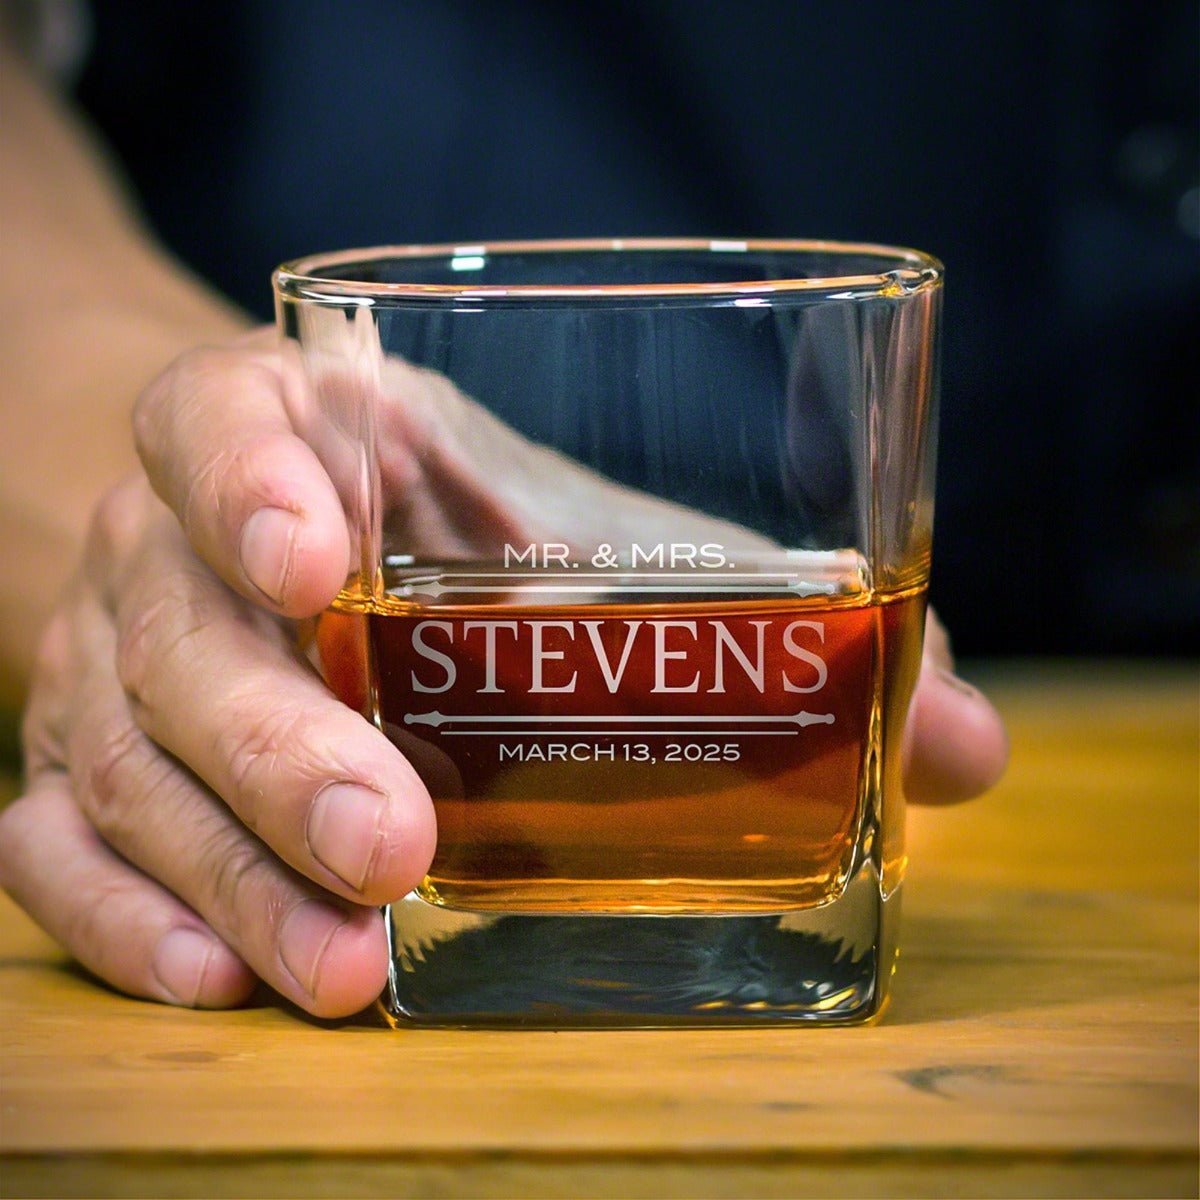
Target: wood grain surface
{"x":1043,"y":1039}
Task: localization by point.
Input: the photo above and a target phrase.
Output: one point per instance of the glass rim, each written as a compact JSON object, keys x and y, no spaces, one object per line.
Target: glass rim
{"x":307,"y":278}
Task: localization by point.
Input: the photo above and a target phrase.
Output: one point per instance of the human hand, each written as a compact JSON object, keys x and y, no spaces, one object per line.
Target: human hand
{"x":182,"y":832}
{"x":200,"y":811}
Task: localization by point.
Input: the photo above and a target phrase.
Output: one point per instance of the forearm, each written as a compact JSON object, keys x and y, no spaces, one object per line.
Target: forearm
{"x":90,"y":311}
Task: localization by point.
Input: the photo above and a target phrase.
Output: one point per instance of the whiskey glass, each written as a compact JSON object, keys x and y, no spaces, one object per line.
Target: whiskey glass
{"x":641,"y":538}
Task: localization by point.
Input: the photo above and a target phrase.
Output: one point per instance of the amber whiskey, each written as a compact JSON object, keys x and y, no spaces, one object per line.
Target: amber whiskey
{"x":684,"y":756}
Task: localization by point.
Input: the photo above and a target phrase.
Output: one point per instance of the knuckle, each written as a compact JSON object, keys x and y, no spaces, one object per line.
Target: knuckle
{"x":236,"y":876}
{"x":53,"y":658}
{"x":162,"y":636}
{"x":158,"y":402}
{"x":146,"y":417}
{"x":117,"y":764}
{"x":267,"y":747}
{"x":162,"y":411}
{"x":42,"y":737}
{"x":191,"y":372}
{"x":43,"y":723}
{"x":137,"y":644}
{"x":116,"y":523}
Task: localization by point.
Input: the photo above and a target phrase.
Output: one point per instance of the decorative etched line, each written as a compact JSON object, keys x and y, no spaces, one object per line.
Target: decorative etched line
{"x":624,"y":732}
{"x":615,"y":573}
{"x":437,"y":719}
{"x":617,"y":584}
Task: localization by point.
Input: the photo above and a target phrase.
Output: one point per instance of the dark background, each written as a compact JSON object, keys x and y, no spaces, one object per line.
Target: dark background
{"x":1046,"y":152}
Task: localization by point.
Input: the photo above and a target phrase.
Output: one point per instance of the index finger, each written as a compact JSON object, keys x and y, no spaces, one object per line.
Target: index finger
{"x":219,"y":446}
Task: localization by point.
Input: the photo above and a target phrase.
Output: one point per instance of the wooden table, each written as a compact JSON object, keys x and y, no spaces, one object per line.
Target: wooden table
{"x":1043,"y":1040}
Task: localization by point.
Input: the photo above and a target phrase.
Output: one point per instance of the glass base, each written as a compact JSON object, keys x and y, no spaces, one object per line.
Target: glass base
{"x":828,"y":965}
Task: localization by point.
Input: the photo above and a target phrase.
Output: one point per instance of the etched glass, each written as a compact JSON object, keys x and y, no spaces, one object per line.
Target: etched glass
{"x":642,"y":537}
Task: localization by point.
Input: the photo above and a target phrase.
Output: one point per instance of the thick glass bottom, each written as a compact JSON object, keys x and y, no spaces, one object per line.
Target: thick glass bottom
{"x":828,"y":965}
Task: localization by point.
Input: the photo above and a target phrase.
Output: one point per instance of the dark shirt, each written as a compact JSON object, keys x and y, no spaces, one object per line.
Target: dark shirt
{"x":1044,"y":151}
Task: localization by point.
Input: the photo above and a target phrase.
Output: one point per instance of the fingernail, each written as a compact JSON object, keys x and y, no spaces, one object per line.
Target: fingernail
{"x":266,"y":550}
{"x":343,"y":830}
{"x":181,"y":960}
{"x":303,"y":937}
